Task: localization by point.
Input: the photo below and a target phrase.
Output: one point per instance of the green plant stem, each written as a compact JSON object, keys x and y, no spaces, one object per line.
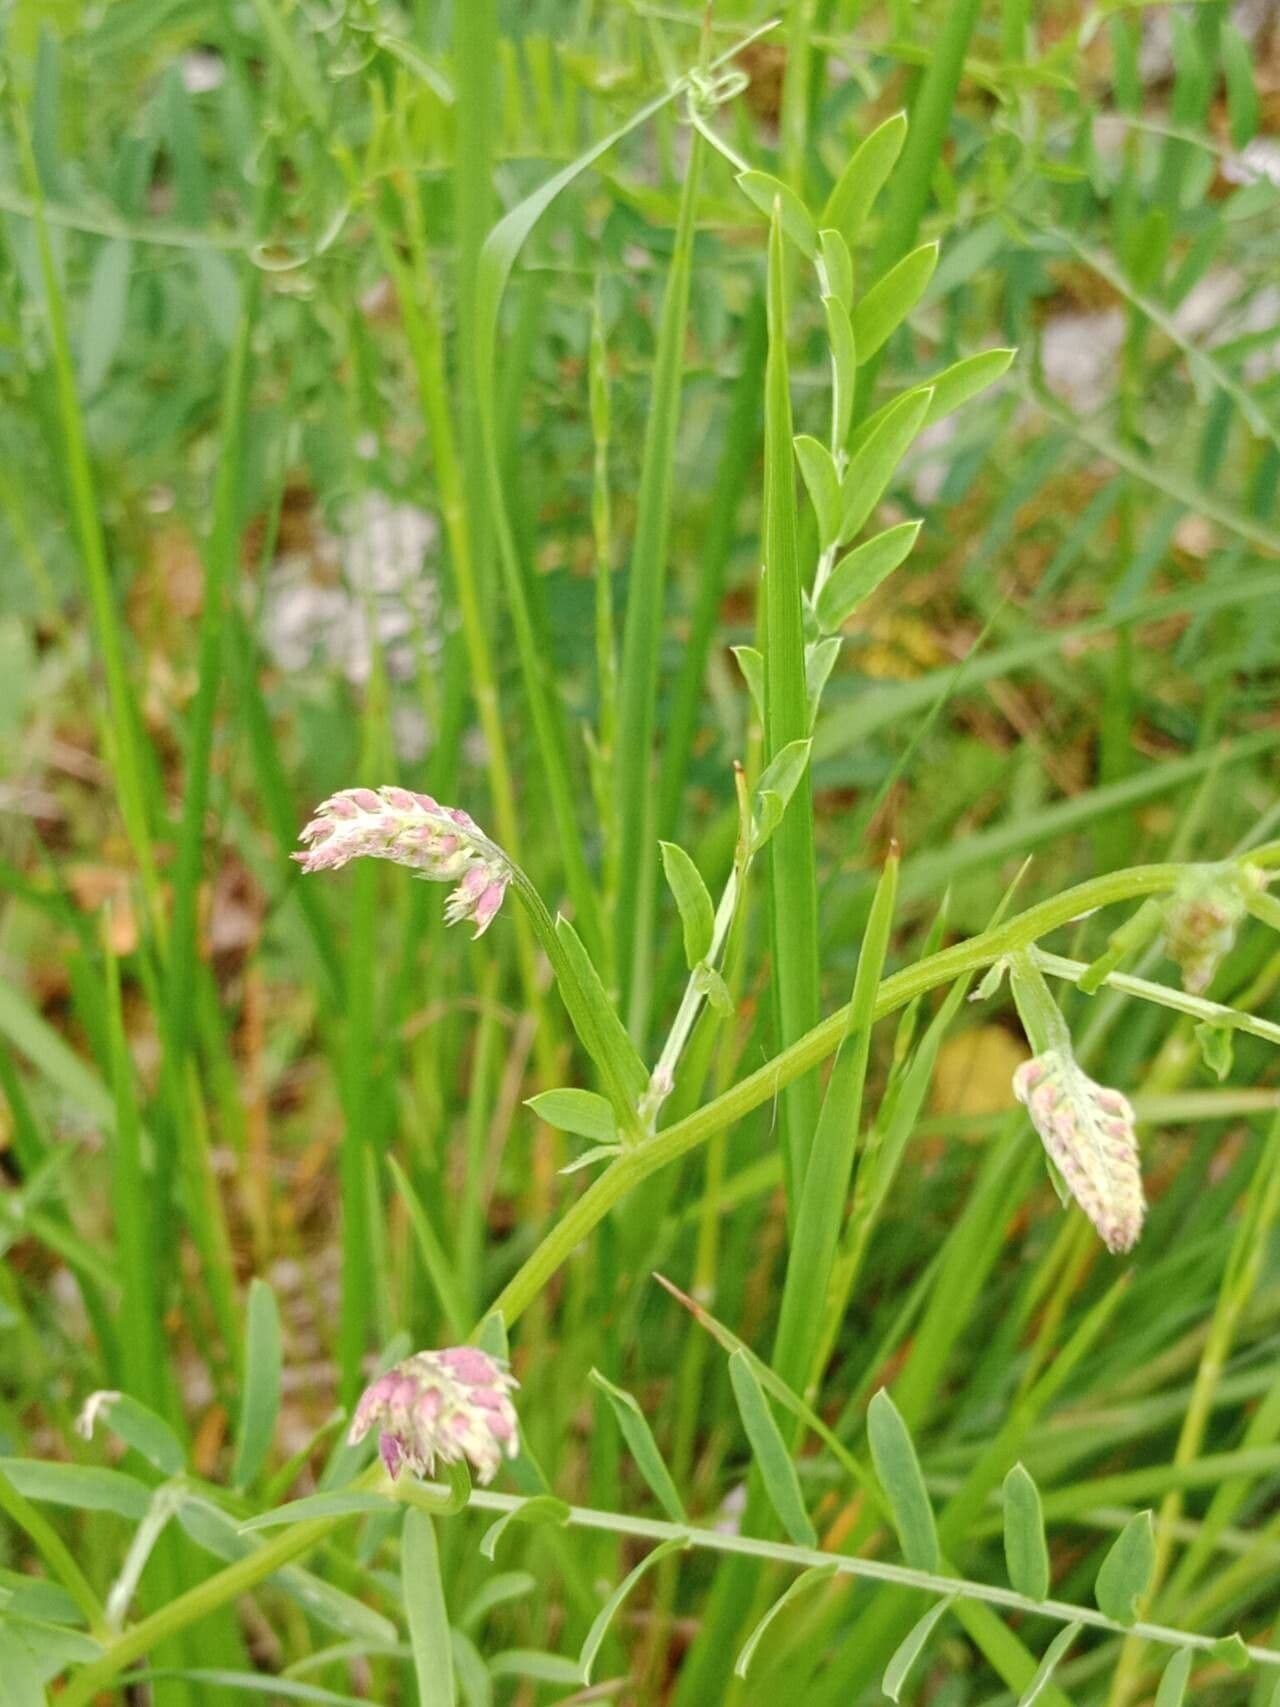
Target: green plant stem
{"x":247,"y":1572}
{"x":807,"y":1052}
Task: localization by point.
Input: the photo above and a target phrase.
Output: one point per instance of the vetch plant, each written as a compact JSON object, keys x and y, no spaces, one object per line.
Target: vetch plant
{"x":925,"y":1366}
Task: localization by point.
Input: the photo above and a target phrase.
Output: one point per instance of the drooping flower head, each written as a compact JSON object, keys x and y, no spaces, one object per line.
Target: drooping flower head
{"x":441,"y":843}
{"x":1202,"y":916}
{"x":451,"y":1405}
{"x":1088,"y":1131}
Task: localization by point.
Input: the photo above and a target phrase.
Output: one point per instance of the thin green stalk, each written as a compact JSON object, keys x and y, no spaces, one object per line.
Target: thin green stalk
{"x":642,"y":629}
{"x":793,"y":895}
{"x":299,"y":1539}
{"x":803,"y":1055}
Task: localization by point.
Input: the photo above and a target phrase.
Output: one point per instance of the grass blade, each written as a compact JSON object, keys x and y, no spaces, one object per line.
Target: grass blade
{"x":825,"y":1190}
{"x":642,"y":628}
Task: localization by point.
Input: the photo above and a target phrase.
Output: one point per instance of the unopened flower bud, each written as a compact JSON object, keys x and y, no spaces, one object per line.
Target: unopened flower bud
{"x":1202,"y":916}
{"x":1088,"y":1132}
{"x":447,"y":1405}
{"x":441,"y":843}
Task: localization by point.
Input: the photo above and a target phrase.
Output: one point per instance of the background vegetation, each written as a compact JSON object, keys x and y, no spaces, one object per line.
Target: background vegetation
{"x":303,"y":486}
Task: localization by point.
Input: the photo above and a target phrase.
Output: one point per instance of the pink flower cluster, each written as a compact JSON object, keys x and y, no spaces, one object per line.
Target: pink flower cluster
{"x":451,"y":1405}
{"x":441,"y":843}
{"x":1088,"y":1131}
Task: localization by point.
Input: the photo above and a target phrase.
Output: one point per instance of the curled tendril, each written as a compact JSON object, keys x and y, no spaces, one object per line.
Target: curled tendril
{"x":707,"y":90}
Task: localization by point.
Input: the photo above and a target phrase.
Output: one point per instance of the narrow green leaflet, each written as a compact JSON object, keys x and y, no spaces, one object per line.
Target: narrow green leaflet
{"x":426,"y":1611}
{"x":1025,"y":1549}
{"x":844,"y":366}
{"x":83,"y":1487}
{"x":138,"y":1426}
{"x":751,"y":663}
{"x":889,"y":301}
{"x":964,"y":379}
{"x":894,"y":1455}
{"x":642,"y":1446}
{"x":578,"y":1111}
{"x":542,"y":1508}
{"x":697,"y":914}
{"x":837,"y":268}
{"x":910,"y":1648}
{"x":104,"y":311}
{"x":1049,"y":1664}
{"x":1126,"y":1570}
{"x":861,"y":181}
{"x":769,"y":1450}
{"x":822,"y":484}
{"x":774,"y":789}
{"x":797,"y":222}
{"x":819,"y":661}
{"x":608,"y":1612}
{"x":860,"y":571}
{"x":261,"y":1402}
{"x":1173,"y":1681}
{"x":873,"y":463}
{"x":806,"y":1580}
{"x":598,"y":1027}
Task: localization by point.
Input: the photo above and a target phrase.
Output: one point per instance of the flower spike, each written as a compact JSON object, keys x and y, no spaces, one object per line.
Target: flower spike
{"x":441,"y":843}
{"x":1088,"y":1131}
{"x":450,"y":1405}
